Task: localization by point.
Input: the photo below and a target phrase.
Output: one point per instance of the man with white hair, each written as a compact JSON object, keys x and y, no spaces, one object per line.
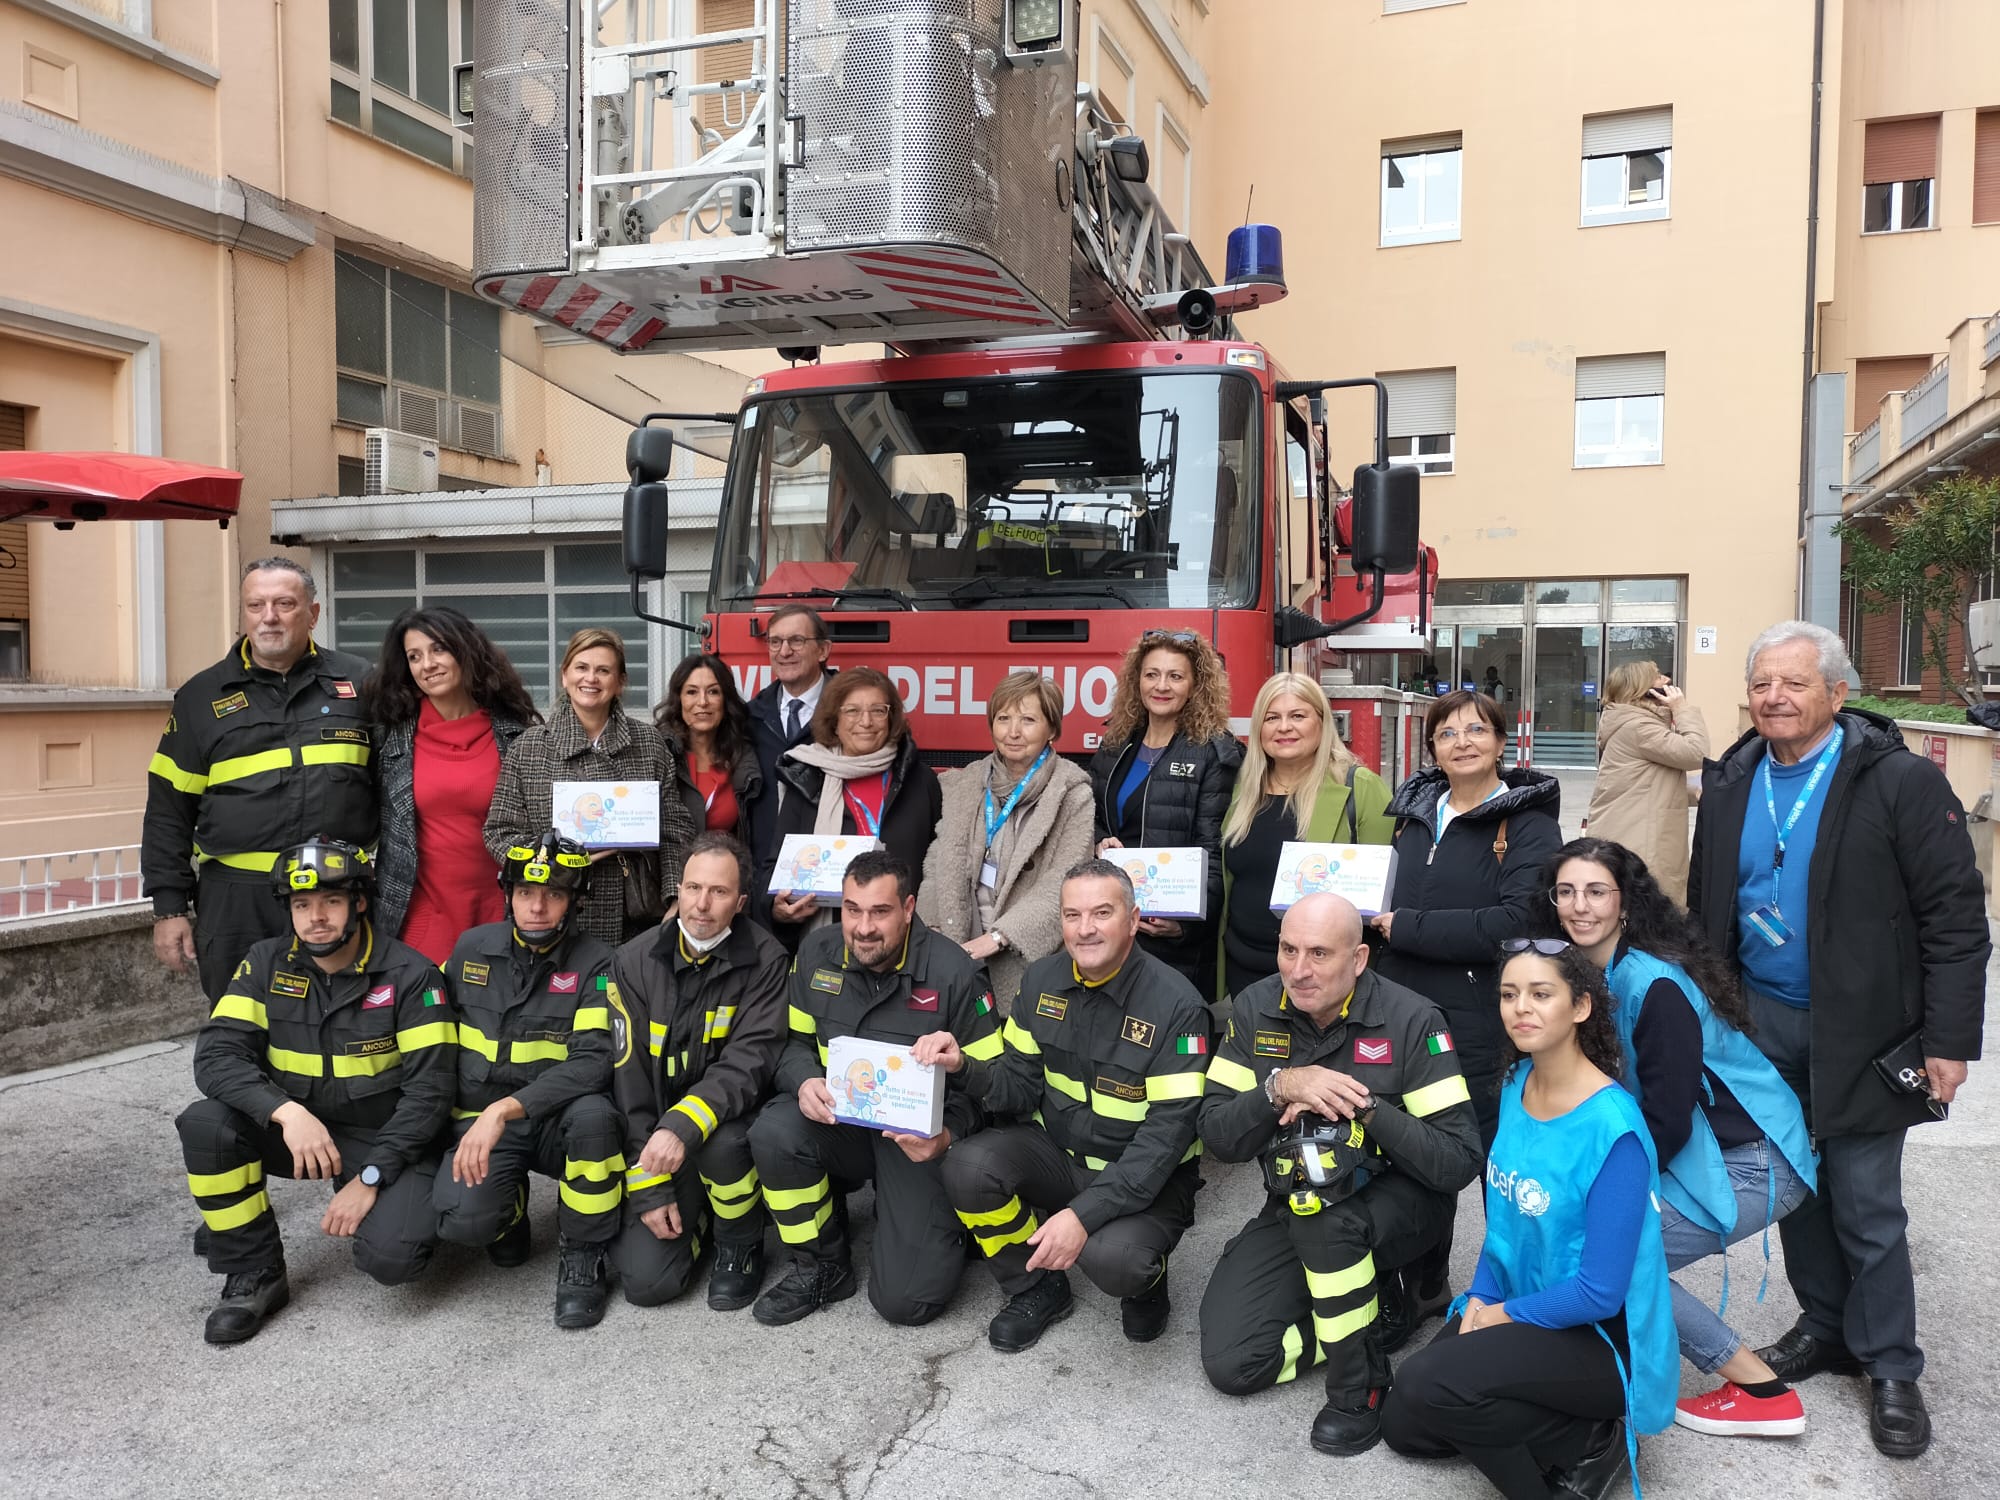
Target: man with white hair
{"x":1834,"y":867}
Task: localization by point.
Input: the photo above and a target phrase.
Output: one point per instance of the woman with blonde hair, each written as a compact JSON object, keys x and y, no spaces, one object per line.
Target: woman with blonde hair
{"x":1300,"y":783}
{"x":1163,"y":777}
{"x":1012,"y":824}
{"x":1648,"y":739}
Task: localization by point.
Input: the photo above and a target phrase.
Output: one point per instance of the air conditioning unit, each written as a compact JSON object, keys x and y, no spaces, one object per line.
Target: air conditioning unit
{"x":398,"y":463}
{"x":1983,"y":634}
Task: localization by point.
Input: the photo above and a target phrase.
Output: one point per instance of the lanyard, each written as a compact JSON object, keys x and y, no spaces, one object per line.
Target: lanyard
{"x":1826,"y":758}
{"x":995,"y":823}
{"x":872,"y":821}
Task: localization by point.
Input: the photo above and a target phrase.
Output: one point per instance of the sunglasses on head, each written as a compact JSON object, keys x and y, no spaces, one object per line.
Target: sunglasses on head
{"x":1184,"y":637}
{"x":1547,"y":947}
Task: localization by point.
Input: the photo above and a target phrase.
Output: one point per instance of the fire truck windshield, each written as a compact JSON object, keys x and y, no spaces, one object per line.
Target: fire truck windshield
{"x":1134,"y":487}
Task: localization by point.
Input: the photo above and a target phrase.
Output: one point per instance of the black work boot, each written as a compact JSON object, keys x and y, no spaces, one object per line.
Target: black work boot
{"x":1406,"y":1307}
{"x":582,"y":1287}
{"x":248,"y":1298}
{"x":736,"y":1276}
{"x":1596,"y":1475}
{"x":513,"y":1246}
{"x":1028,"y":1315}
{"x":811,"y":1284}
{"x":1145,"y":1316}
{"x":1348,"y":1430}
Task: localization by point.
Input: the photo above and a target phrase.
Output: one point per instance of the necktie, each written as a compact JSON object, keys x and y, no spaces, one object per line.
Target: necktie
{"x":793,"y":710}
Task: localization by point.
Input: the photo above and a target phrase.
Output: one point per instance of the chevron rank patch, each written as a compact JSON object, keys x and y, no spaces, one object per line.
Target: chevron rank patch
{"x":1373,"y":1049}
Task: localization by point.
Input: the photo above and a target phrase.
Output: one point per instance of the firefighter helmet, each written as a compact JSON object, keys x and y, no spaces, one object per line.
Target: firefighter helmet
{"x":552,"y":861}
{"x":1316,"y":1161}
{"x":323,"y":864}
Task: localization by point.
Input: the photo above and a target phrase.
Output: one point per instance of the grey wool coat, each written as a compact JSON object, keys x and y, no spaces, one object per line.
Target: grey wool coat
{"x":1052,"y":833}
{"x":396,"y":789}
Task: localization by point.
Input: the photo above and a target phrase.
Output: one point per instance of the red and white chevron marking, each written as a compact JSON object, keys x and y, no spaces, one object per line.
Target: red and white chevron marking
{"x":944,"y":281}
{"x":576,"y":304}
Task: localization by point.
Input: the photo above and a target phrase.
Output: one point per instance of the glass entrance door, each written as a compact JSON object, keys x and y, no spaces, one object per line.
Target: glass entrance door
{"x":1658,"y":644}
{"x":1567,"y":659}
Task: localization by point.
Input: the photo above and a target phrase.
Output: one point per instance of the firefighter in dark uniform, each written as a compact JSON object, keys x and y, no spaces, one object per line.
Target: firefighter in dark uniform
{"x":328,"y":1056}
{"x":706,"y":994}
{"x":535,"y":1047}
{"x":1324,"y":1040}
{"x":264,"y":750}
{"x":884,"y":976}
{"x":1105,"y":1050}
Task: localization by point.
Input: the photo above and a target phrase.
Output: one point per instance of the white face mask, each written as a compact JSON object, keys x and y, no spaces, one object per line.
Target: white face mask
{"x":701,"y":945}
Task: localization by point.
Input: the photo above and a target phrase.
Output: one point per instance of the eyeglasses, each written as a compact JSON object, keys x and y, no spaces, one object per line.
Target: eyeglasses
{"x":1596,"y":895}
{"x":1480,"y":731}
{"x":1547,"y":947}
{"x":869,"y":711}
{"x":1185,"y":637}
{"x":780,"y":644}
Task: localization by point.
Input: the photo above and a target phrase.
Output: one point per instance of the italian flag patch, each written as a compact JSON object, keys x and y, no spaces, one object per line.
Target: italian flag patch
{"x":983,"y":1005}
{"x":1191,"y":1046}
{"x":433,"y":997}
{"x":1438,"y":1043}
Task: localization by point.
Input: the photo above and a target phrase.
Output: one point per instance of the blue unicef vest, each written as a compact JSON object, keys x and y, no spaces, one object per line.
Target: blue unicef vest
{"x":1538,"y":1180}
{"x":1696,"y":1182}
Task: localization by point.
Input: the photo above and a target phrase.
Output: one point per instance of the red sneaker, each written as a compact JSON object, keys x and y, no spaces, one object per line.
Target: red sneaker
{"x":1731,"y":1411}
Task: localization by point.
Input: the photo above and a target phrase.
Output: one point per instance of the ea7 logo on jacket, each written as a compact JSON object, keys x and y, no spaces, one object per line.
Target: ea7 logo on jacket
{"x":381,"y":995}
{"x":1182,"y":767}
{"x":562,"y":984}
{"x":1373,"y":1049}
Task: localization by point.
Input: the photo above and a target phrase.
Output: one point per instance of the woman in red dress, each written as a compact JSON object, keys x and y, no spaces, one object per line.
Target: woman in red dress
{"x":706,"y":726}
{"x":446,"y":703}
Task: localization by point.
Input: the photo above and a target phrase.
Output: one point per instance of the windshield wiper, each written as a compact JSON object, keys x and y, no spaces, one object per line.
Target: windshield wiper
{"x":987,"y":586}
{"x":895,"y":596}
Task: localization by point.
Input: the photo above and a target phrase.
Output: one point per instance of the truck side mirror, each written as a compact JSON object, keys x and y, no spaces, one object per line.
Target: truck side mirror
{"x":649,"y":455}
{"x":1383,"y":520}
{"x":645,"y":529}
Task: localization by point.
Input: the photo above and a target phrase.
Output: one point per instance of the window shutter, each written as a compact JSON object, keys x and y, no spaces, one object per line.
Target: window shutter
{"x":1875,"y":378}
{"x":14,"y":534}
{"x":1631,"y":130}
{"x":1609,"y":375}
{"x":1416,"y":145}
{"x":718,"y":64}
{"x":1899,"y":150}
{"x":1986,"y":169}
{"x":1422,"y":403}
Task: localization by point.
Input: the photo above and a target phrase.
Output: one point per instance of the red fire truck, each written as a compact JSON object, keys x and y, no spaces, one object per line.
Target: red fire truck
{"x":1064,"y":442}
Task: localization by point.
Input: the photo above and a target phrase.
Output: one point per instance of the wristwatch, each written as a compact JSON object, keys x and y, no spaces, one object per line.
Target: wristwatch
{"x":999,"y":937}
{"x":371,"y":1176}
{"x":1271,"y":1088}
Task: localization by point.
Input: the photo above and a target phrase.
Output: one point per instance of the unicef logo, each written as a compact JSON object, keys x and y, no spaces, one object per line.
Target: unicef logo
{"x":1531,"y":1198}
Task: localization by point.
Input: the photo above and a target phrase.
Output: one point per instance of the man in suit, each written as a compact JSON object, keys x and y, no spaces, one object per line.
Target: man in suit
{"x":781,"y":715}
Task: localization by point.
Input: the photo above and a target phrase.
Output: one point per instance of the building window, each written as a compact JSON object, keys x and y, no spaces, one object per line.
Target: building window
{"x":1420,"y":189}
{"x":1898,"y":175}
{"x":1910,"y":656}
{"x":415,"y":356}
{"x":1423,"y":419}
{"x":1173,"y":174}
{"x":1114,"y":74}
{"x":392,"y":62}
{"x":1620,"y":410}
{"x":1627,"y":165}
{"x":1986,"y":168}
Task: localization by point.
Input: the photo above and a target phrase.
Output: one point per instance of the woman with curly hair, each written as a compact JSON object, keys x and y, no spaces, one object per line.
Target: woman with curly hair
{"x":446,"y":704}
{"x":705,"y":725}
{"x":1564,"y":1346}
{"x":1730,"y":1136}
{"x":1164,"y":775}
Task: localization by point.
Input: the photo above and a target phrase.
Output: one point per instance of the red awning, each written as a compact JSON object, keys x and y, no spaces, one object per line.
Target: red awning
{"x":72,"y":487}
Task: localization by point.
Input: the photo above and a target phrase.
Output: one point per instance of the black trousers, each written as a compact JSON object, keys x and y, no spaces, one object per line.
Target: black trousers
{"x":1000,"y":1183}
{"x":1847,"y":1248}
{"x":1295,"y":1290}
{"x":730,"y":1205}
{"x":228,"y":1157}
{"x":919,"y":1252}
{"x":582,"y":1147}
{"x":1514,"y":1399}
{"x":234,"y":909}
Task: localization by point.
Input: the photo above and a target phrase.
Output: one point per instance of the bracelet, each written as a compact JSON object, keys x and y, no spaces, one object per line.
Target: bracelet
{"x":171,"y":916}
{"x":999,"y":938}
{"x":1271,"y":1088}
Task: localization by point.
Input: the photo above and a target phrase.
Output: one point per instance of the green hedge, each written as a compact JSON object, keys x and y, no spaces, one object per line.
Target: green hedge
{"x":1899,"y":708}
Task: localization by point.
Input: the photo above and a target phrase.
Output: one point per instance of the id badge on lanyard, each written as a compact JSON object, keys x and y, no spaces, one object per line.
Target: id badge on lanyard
{"x":1767,"y":921}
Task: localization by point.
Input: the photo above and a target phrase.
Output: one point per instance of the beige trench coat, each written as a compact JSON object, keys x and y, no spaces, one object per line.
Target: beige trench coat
{"x":1641,"y":798}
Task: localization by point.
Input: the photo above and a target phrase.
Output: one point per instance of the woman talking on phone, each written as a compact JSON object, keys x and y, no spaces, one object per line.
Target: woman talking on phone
{"x":1648,"y":738}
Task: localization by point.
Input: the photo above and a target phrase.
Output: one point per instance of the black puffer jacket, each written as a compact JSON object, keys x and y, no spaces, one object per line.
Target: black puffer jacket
{"x":1457,"y":899}
{"x":745,"y":780}
{"x":1896,"y":936}
{"x":1180,"y":805}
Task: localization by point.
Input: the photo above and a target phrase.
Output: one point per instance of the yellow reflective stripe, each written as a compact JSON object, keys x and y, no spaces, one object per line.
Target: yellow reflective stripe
{"x":261,"y":862}
{"x":1332,"y":1330}
{"x":822,"y":1054}
{"x":592,"y":1018}
{"x":436,"y":1034}
{"x":592,"y":1203}
{"x":1193,"y":1151}
{"x":1175,"y":1085}
{"x":717,"y":1022}
{"x":305,"y":1064}
{"x":1433,"y":1097}
{"x":1118,"y":1109}
{"x":527,"y":1052}
{"x":214,"y":1184}
{"x":473,"y":1039}
{"x":732,"y":1200}
{"x":993,"y":1244}
{"x":1062,"y":1083}
{"x":334,"y":755}
{"x":986,"y":1049}
{"x":637,"y":1179}
{"x":602,"y":1170}
{"x":800,"y":1021}
{"x":239,"y":766}
{"x":1339,"y":1283}
{"x":465,"y":1114}
{"x":365,"y":1067}
{"x":656,"y":1037}
{"x":1020,"y":1038}
{"x":1000,"y":1215}
{"x":697,"y":1111}
{"x":241,"y":1008}
{"x":182,"y":781}
{"x":1295,"y":1345}
{"x":806,"y":1231}
{"x":797,"y":1197}
{"x":744,"y":1184}
{"x":1232,"y":1075}
{"x":237,"y":1214}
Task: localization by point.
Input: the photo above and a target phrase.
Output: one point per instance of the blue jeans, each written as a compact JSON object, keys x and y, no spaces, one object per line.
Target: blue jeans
{"x":1754,"y":1170}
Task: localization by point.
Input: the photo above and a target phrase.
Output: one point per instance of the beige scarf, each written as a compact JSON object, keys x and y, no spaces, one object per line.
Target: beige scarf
{"x":840,"y":769}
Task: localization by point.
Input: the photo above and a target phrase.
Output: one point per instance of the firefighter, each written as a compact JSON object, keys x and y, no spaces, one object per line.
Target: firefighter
{"x":1105,"y":1049}
{"x":882,"y":975}
{"x":535,"y":1047}
{"x":1327,"y":1041}
{"x":264,"y":750}
{"x":328,"y":1056}
{"x":706,"y":1001}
